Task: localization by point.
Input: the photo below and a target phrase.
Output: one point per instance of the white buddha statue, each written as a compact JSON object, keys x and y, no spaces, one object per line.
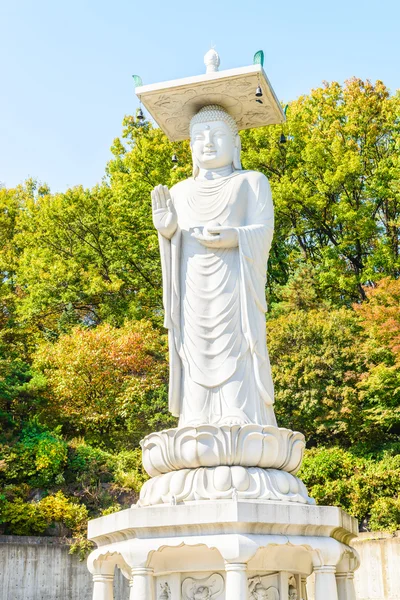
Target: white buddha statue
{"x":215,"y":231}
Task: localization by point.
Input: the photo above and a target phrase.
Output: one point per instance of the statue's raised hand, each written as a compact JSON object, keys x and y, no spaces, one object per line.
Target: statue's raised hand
{"x":164,"y":213}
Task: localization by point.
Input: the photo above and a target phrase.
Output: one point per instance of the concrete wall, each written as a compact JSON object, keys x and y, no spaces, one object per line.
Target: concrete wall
{"x":378,"y":578}
{"x":40,"y":568}
{"x":37,"y":568}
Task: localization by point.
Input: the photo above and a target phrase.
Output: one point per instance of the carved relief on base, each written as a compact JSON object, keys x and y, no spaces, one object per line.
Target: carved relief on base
{"x":209,"y":588}
{"x":249,"y":445}
{"x":268,"y":587}
{"x":222,"y":483}
{"x":165,"y":592}
{"x":260,"y":590}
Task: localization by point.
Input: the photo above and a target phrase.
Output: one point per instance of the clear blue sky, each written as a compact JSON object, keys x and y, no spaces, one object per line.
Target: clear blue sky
{"x":65,"y":67}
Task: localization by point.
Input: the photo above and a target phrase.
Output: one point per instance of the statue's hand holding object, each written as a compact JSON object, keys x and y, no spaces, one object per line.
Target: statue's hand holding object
{"x":216,"y":236}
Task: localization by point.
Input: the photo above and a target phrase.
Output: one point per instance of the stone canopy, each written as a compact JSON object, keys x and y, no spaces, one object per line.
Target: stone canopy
{"x":173,"y":103}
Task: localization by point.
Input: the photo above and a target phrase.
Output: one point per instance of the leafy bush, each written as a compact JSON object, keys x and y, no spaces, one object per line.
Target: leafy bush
{"x":129,"y":471}
{"x":33,"y":518}
{"x":59,"y":509}
{"x":86,"y":464}
{"x":39,"y":457}
{"x":385,"y":514}
{"x":21,"y":518}
{"x":40,"y":462}
{"x":363,"y":487}
{"x":90,"y":466}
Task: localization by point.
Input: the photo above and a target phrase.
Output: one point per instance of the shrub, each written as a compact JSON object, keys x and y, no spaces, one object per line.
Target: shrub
{"x":22,"y":518}
{"x":99,"y":380}
{"x":88,"y":465}
{"x":38,"y":458}
{"x":59,"y":509}
{"x":129,"y":471}
{"x":365,"y":488}
{"x":33,"y":518}
{"x":385,"y":514}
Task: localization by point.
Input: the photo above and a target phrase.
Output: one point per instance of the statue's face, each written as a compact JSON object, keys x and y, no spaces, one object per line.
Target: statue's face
{"x":212,"y":145}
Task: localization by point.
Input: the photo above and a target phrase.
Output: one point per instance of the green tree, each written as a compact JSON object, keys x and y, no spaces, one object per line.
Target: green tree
{"x":335,"y":186}
{"x":379,"y":387}
{"x":89,"y":256}
{"x":316,"y":366}
{"x":83,"y":260}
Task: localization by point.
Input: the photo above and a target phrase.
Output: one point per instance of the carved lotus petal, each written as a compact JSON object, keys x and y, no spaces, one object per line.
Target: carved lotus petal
{"x":251,"y":447}
{"x":224,"y":483}
{"x":240,"y":478}
{"x":222,"y":479}
{"x":270,"y":449}
{"x":211,"y":446}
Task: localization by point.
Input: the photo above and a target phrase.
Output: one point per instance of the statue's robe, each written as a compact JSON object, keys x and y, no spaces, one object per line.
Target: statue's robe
{"x":214,"y":302}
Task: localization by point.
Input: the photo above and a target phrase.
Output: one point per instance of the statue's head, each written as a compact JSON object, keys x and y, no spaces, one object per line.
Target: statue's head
{"x":259,"y":592}
{"x":214,"y":139}
{"x":292,"y":592}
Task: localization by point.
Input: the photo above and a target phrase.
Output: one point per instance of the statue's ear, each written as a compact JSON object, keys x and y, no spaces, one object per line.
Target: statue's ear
{"x":195,"y":169}
{"x":237,"y":165}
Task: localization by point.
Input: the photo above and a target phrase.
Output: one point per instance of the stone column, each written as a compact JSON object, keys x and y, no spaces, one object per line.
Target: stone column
{"x":325,"y":583}
{"x":303,"y":588}
{"x":283,"y":578}
{"x":345,"y":585}
{"x":103,"y":586}
{"x":341,"y":583}
{"x":236,"y":586}
{"x":351,"y":591}
{"x":141,"y":584}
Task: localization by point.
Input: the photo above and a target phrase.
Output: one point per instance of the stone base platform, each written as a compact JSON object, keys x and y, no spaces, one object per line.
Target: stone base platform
{"x":225,"y":550}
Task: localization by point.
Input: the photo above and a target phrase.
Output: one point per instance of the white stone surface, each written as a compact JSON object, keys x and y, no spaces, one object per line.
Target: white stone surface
{"x":224,"y":517}
{"x":238,"y":541}
{"x":209,"y":446}
{"x":207,"y":588}
{"x":215,"y":232}
{"x":43,"y":569}
{"x":379,"y":575}
{"x":212,"y":61}
{"x":264,"y":587}
{"x":222,"y":482}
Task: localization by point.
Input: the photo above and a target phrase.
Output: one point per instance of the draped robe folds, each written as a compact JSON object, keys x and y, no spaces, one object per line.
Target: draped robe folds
{"x":214,"y":302}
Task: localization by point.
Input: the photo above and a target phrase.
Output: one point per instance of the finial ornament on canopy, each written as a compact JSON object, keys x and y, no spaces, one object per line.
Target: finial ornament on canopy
{"x":212,"y":61}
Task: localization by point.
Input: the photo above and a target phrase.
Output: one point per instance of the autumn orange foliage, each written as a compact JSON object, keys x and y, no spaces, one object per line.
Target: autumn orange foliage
{"x":381,"y":314}
{"x":101,"y":375}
